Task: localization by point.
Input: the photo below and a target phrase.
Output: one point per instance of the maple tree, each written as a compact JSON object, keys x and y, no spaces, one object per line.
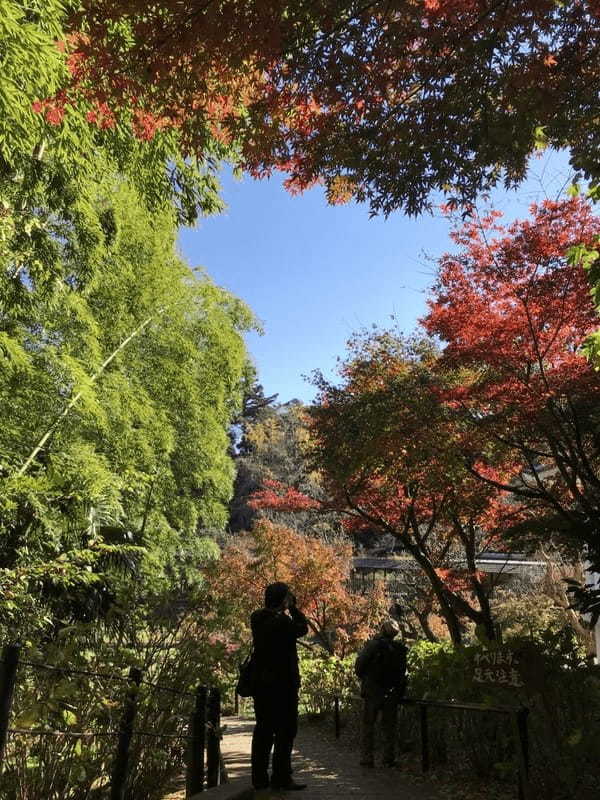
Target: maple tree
{"x":54,"y":144}
{"x":278,"y":500}
{"x":417,"y":602}
{"x":339,"y":620}
{"x":390,"y":459}
{"x":513,"y":309}
{"x":382,"y":101}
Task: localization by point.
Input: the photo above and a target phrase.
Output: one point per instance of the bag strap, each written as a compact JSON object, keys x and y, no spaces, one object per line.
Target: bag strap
{"x":247,"y":658}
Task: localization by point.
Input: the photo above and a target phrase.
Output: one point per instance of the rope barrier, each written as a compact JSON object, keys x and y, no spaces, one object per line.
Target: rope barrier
{"x":202,"y":727}
{"x":69,"y":671}
{"x":94,"y":734}
{"x":104,"y":675}
{"x":71,"y":734}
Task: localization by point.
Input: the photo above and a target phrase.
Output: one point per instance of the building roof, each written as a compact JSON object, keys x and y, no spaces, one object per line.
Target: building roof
{"x":486,"y":562}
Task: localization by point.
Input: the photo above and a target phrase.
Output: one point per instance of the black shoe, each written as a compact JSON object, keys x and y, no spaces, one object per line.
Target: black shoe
{"x":289,"y":786}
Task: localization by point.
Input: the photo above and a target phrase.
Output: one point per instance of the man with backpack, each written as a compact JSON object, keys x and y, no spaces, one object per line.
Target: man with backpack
{"x":381,"y":667}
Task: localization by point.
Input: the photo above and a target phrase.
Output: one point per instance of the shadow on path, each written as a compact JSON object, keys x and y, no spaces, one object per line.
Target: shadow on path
{"x":331,"y":770}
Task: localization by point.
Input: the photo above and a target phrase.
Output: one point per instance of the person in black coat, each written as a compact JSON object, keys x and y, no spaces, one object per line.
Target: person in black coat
{"x":275,"y":629}
{"x":381,"y":667}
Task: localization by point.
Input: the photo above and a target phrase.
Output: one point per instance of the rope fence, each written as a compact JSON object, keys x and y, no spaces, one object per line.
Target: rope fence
{"x":204,"y":762}
{"x":103,"y":675}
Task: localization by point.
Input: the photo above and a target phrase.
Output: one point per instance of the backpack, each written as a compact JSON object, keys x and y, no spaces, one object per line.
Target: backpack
{"x":388,"y":665}
{"x":246,"y":677}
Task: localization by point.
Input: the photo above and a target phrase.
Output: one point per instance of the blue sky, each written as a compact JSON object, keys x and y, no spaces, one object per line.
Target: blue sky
{"x":314,"y":273}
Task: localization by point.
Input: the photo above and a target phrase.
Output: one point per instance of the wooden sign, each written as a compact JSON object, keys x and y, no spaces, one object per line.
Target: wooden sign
{"x":498,"y":667}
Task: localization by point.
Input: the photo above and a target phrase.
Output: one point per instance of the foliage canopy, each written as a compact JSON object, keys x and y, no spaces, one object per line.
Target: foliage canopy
{"x":384,"y":101}
{"x":128,"y":451}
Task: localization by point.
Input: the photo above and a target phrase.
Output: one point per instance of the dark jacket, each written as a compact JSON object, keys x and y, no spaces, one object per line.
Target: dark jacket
{"x":381,"y":667}
{"x":274,"y":635}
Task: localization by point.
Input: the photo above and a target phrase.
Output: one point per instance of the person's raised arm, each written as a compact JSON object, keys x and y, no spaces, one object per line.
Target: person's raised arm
{"x":298,"y":618}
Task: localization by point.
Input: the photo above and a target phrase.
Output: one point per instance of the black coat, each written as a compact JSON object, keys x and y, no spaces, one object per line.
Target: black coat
{"x":274,"y":634}
{"x":381,"y":667}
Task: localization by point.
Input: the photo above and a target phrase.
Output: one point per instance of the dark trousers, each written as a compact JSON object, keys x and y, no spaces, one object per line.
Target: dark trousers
{"x":276,"y":712}
{"x":387,"y":706}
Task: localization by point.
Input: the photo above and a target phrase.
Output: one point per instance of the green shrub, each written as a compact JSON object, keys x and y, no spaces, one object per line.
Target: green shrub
{"x":561,"y":690}
{"x":179,"y":651}
{"x":325,"y":677}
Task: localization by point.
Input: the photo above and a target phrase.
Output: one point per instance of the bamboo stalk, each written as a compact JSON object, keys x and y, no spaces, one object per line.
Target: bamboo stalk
{"x":76,"y":397}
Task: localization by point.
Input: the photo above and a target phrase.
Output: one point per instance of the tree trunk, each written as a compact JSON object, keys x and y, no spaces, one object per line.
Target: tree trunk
{"x":450,"y":618}
{"x":487,"y":621}
{"x":483,"y":617}
{"x":425,"y":626}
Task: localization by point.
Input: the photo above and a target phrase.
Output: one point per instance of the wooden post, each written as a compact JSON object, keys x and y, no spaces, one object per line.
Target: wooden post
{"x":236,"y":703}
{"x":522,"y":745}
{"x":8,"y":677}
{"x":213,"y":744}
{"x":424,"y":738}
{"x":195,"y":765}
{"x":118,"y":782}
{"x":223,"y":777}
{"x":336,"y":716}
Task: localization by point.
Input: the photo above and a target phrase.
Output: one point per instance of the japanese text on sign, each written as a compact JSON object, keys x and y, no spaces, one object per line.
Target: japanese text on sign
{"x":497,"y":666}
